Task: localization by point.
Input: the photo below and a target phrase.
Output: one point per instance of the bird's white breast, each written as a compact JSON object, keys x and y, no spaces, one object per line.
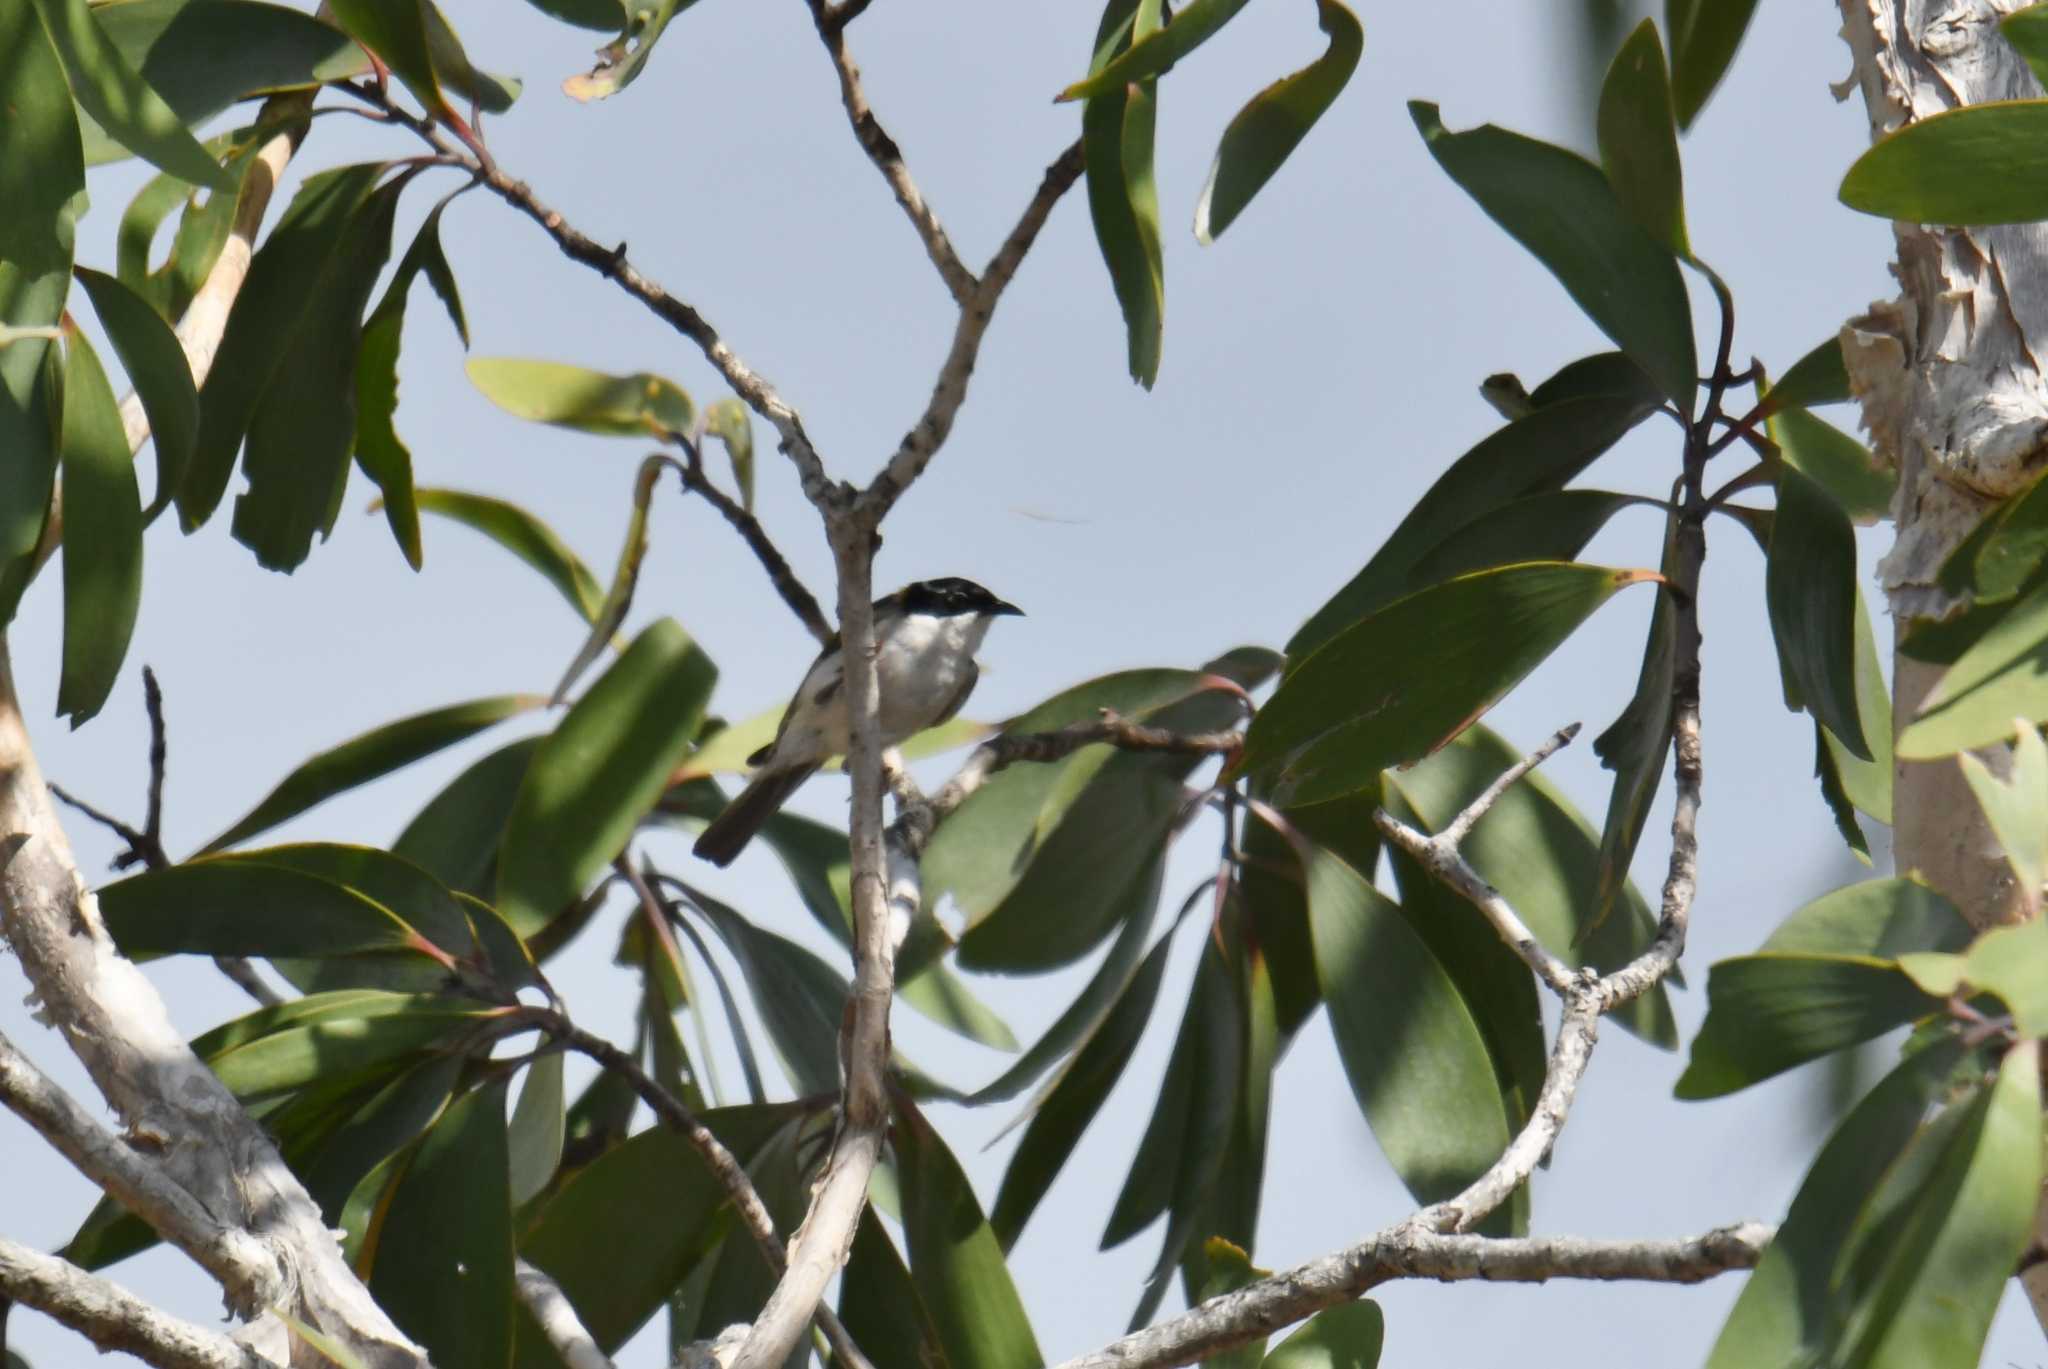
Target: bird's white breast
{"x":921,"y":664}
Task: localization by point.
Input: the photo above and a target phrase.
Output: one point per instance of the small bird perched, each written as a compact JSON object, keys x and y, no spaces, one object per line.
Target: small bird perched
{"x":926,"y":635}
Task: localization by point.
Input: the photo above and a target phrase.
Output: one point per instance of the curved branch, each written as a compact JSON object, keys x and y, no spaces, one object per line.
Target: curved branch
{"x":111,"y":1317}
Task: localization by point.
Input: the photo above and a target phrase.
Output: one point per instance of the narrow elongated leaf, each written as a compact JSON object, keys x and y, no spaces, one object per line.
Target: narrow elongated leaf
{"x":1636,"y":743}
{"x":1404,"y":681}
{"x":638,"y":405}
{"x":396,"y":30}
{"x":1769,"y":1012}
{"x":526,"y":537}
{"x":1560,"y":207}
{"x":599,"y":773}
{"x":880,"y":1303}
{"x":1941,"y":1236}
{"x":1152,"y":53}
{"x":490,"y":93}
{"x":1880,"y":919}
{"x":618,"y":600}
{"x":2006,"y":551}
{"x":204,"y":222}
{"x":336,"y":1047}
{"x":801,"y":999}
{"x":285,"y":290}
{"x":443,"y":1266}
{"x":954,"y":1256}
{"x":1867,"y":784}
{"x":2017,"y":808}
{"x":371,"y":756}
{"x":1638,"y":143}
{"x":1704,"y":36}
{"x":2010,"y":961}
{"x":1819,"y":377}
{"x":2027,"y":31}
{"x":1533,"y":455}
{"x":119,"y":100}
{"x":102,"y":535}
{"x":1782,"y":1315}
{"x":1415,"y":1057}
{"x":1553,"y":526}
{"x":1347,"y":1336}
{"x":2001,"y":676}
{"x":1983,"y":164}
{"x":380,"y":452}
{"x":732,"y":424}
{"x":1837,"y":462}
{"x":157,"y":368}
{"x":535,"y":1136}
{"x":1268,"y":129}
{"x":1117,"y":134}
{"x":1810,"y":584}
{"x":230,"y":907}
{"x":455,"y":837}
{"x":42,"y":181}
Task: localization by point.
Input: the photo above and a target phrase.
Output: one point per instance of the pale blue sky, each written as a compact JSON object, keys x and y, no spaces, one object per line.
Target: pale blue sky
{"x":1320,"y":369}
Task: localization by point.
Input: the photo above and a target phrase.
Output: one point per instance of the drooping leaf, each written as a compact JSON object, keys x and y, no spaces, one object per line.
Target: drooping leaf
{"x":1433,"y":663}
{"x":738,"y":1280}
{"x":102,"y":535}
{"x":732,"y":424}
{"x":638,"y":405}
{"x":2009,"y":961}
{"x":487,"y":91}
{"x":535,"y":1136}
{"x":1117,"y":134}
{"x":455,"y":837}
{"x":157,"y":368}
{"x":526,"y":537}
{"x":1268,"y":129}
{"x":1636,"y":743}
{"x":599,"y":773}
{"x":881,"y":1304}
{"x":2001,"y":676}
{"x":2017,"y":808}
{"x":1810,"y":585}
{"x":1152,"y":52}
{"x":1704,"y":36}
{"x":371,"y":756}
{"x":1533,"y":455}
{"x":954,"y":1257}
{"x":1347,"y":1336}
{"x":622,"y":59}
{"x":1560,"y":207}
{"x":396,"y":31}
{"x":1984,"y":164}
{"x":119,"y":100}
{"x":443,"y":1262}
{"x":1638,"y":142}
{"x":1867,"y":784}
{"x":1835,"y":461}
{"x":204,"y":222}
{"x":618,"y":600}
{"x":801,"y":999}
{"x":1415,"y":1057}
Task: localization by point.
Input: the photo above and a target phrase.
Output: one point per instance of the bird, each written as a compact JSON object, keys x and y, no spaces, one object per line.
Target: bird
{"x":926,"y":635}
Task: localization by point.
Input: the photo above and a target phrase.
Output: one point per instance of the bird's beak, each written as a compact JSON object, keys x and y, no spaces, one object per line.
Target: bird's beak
{"x":1002,"y":609}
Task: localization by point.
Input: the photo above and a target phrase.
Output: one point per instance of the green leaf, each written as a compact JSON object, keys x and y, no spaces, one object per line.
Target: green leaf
{"x":371,"y":756}
{"x":600,"y":772}
{"x":102,"y":535}
{"x":1268,"y":129}
{"x":1636,"y":743}
{"x":1555,"y":525}
{"x":618,"y":600}
{"x":1940,"y":1237}
{"x":1783,"y":1314}
{"x":526,"y":537}
{"x":622,"y":59}
{"x":1436,"y":660}
{"x":1835,"y":461}
{"x":1230,"y":1269}
{"x":354,"y":1037}
{"x":624,"y":1230}
{"x":289,"y":316}
{"x":2027,"y":31}
{"x":589,"y":14}
{"x":443,"y":1251}
{"x":738,"y":1281}
{"x":387,"y":1121}
{"x":535,"y":1134}
{"x":204,"y":223}
{"x":954,"y":1257}
{"x":2010,"y":961}
{"x":455,"y":837}
{"x":1985,"y":164}
{"x":1560,"y":207}
{"x":2017,"y":807}
{"x":2006,"y":550}
{"x":1117,"y":134}
{"x":156,"y":367}
{"x":637,"y":405}
{"x":302,"y":430}
{"x":201,"y":56}
{"x":732,"y":424}
{"x":2001,"y":676}
{"x":1347,"y":1336}
{"x":1819,"y":377}
{"x":1638,"y":143}
{"x":1603,"y":375}
{"x":881,"y":1305}
{"x":396,"y":30}
{"x":229,"y":906}
{"x":1810,"y":585}
{"x":1068,"y":1102}
{"x":42,"y":183}
{"x":800,"y":998}
{"x":380,"y":452}
{"x":1533,"y":455}
{"x":1152,"y":53}
{"x":1704,"y":36}
{"x":1537,"y":850}
{"x":119,"y":100}
{"x":1416,"y":1059}
{"x":1867,"y":784}
{"x":490,"y":93}
{"x":1767,"y":1013}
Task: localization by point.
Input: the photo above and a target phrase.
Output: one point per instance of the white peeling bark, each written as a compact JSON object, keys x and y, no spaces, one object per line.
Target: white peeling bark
{"x":1950,"y":379}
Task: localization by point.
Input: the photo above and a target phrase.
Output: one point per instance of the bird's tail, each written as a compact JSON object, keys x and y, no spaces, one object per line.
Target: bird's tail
{"x":764,"y":795}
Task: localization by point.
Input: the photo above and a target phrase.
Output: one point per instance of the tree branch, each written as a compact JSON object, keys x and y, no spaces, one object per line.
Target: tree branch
{"x":780,"y":573}
{"x":888,"y":158}
{"x":111,"y":1317}
{"x":557,"y":1319}
{"x":1408,"y":1252}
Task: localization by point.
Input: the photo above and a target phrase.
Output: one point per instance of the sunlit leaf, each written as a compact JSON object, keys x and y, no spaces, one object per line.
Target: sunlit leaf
{"x":1984,"y":164}
{"x":732,"y":424}
{"x":638,"y":405}
{"x":2001,"y":676}
{"x":102,"y":535}
{"x":1152,"y":53}
{"x":526,"y":537}
{"x":1347,"y":1336}
{"x":1117,"y":134}
{"x":1835,"y":461}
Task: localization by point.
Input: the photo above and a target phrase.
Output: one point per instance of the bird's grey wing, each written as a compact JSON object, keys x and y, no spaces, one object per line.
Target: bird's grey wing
{"x":959,"y":699}
{"x":824,"y":679}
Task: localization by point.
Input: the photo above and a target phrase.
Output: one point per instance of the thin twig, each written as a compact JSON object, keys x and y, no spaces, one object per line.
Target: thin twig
{"x":888,"y":158}
{"x":111,"y":1317}
{"x":557,"y":1319}
{"x":780,"y":573}
{"x":138,"y":842}
{"x":159,"y":752}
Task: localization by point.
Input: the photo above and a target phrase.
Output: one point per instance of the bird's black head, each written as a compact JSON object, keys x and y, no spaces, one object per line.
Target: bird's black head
{"x":953,"y":596}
